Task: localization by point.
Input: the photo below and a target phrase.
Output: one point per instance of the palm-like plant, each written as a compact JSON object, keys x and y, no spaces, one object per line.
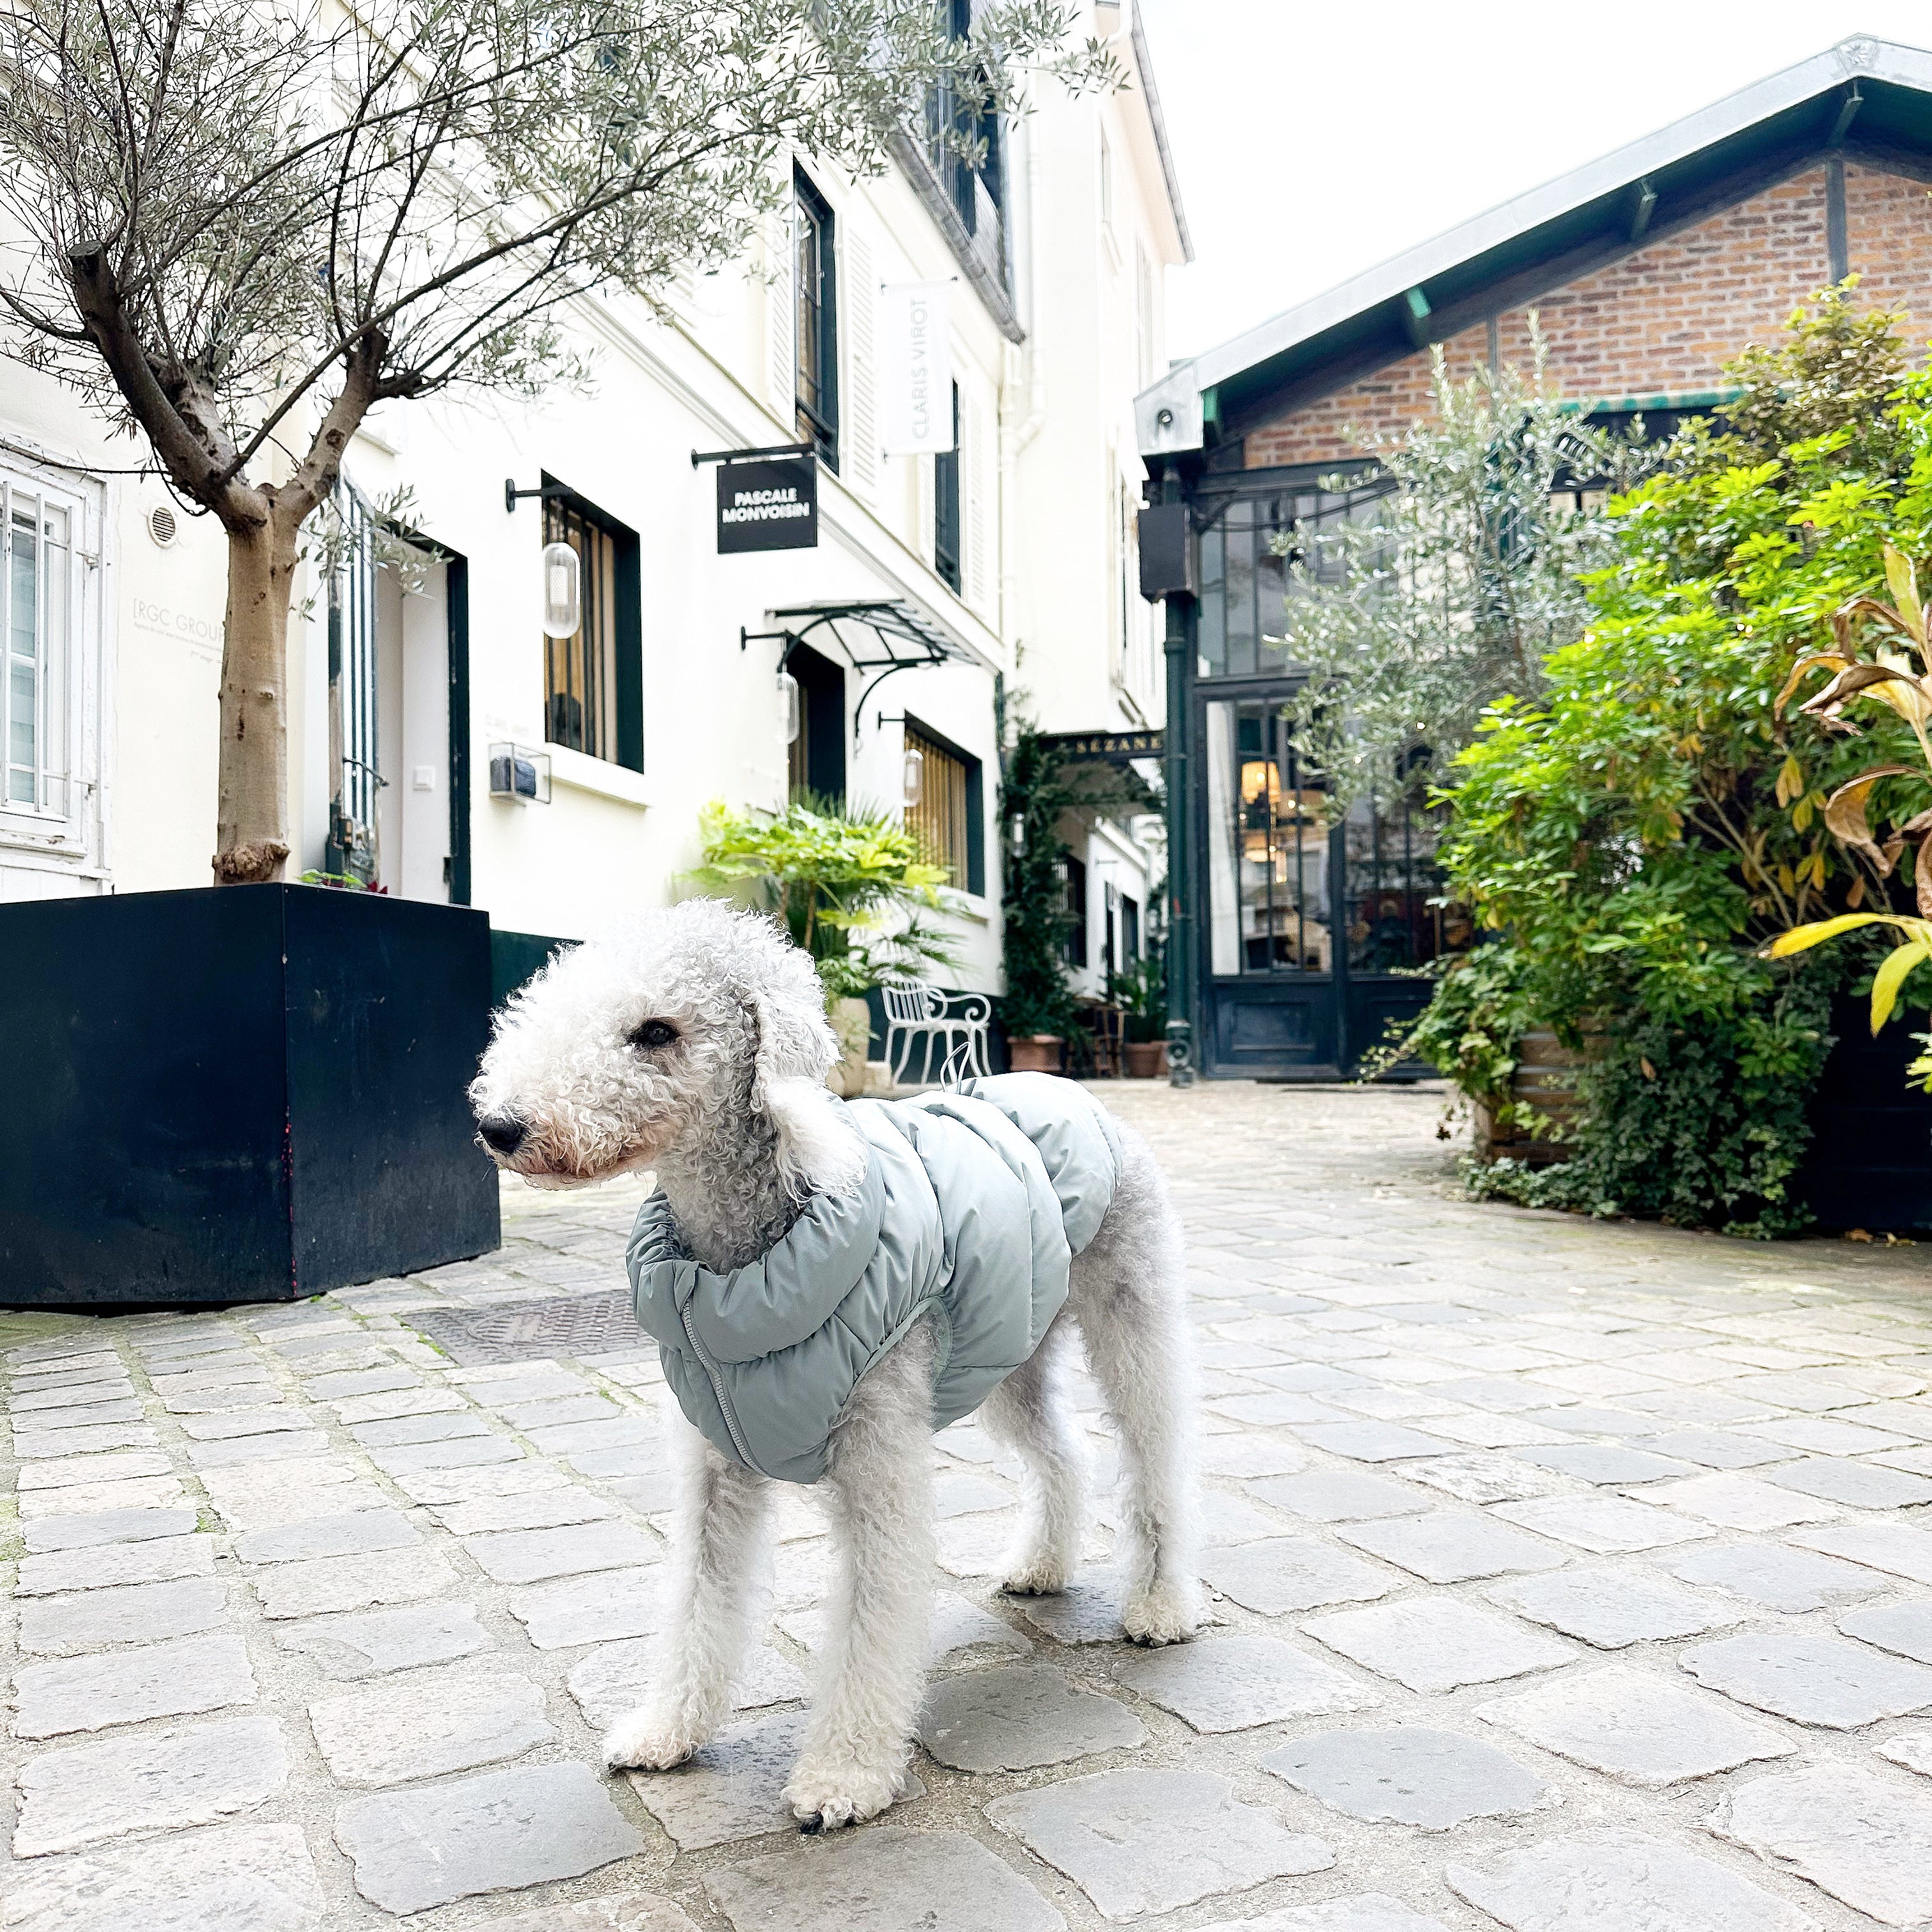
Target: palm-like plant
{"x":1885,"y":674}
{"x":850,"y":883}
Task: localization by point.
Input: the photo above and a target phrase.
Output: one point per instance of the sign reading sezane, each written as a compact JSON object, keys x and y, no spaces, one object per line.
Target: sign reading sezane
{"x":772,"y":504}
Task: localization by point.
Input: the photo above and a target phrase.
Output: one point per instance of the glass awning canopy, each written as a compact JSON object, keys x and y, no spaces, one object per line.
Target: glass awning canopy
{"x":895,"y":635}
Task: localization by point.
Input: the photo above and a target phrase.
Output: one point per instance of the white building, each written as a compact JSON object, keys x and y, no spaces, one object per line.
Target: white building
{"x":667,"y":696}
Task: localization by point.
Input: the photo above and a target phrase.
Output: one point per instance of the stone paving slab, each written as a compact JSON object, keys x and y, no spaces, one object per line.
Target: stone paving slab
{"x":426,"y":1725}
{"x":1861,"y":1837}
{"x":1703,"y":1443}
{"x":261,"y":1877}
{"x":883,"y":1879}
{"x":496,"y":1832}
{"x":1140,"y":1841}
{"x":1434,"y":1779}
{"x":166,"y":1778}
{"x":1620,"y":1881}
{"x":1635,"y":1725}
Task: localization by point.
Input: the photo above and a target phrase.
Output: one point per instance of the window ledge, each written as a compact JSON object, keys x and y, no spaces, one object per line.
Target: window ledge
{"x":19,"y":833}
{"x":598,"y":775}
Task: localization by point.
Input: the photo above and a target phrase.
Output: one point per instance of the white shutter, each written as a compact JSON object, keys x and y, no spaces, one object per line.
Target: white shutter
{"x":858,"y":437}
{"x":782,"y":313}
{"x":976,"y":483}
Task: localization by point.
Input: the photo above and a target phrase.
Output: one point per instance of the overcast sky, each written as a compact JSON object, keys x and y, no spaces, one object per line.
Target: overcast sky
{"x":1315,"y":140}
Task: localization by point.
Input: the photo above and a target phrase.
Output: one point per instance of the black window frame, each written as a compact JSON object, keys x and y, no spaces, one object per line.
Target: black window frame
{"x":815,"y":319}
{"x":1079,"y":949}
{"x":951,"y":119}
{"x":948,"y":518}
{"x":561,"y":511}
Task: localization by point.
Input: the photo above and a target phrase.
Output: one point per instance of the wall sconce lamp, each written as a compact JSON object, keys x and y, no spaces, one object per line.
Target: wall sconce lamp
{"x":788,"y":712}
{"x":912,"y":768}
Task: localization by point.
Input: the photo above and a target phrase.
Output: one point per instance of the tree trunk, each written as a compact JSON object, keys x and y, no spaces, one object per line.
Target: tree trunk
{"x":252,"y":826}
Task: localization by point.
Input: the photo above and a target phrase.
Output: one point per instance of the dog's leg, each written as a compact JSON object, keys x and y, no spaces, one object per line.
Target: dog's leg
{"x":1029,"y":1413}
{"x":1129,"y":1296}
{"x":715,"y":1543}
{"x":879,"y":1486}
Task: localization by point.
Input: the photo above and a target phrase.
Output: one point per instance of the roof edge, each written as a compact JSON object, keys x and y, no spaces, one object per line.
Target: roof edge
{"x":1143,"y":62}
{"x":1178,"y":394}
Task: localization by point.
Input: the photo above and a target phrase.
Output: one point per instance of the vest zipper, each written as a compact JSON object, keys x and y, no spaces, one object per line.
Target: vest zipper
{"x":718,"y":1389}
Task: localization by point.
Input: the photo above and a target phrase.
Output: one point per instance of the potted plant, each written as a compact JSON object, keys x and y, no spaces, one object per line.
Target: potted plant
{"x":852,"y":888}
{"x":1141,"y":990}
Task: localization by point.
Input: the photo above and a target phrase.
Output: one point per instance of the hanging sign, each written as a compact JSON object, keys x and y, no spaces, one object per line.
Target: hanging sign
{"x":772,"y":504}
{"x":915,"y":368}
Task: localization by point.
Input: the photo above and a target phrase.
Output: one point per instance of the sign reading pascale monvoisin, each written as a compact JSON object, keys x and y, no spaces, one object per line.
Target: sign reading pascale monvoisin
{"x":770,"y":504}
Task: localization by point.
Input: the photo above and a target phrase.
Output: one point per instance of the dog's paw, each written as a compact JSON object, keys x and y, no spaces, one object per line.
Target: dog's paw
{"x":826,"y":1793}
{"x":1162,"y":1611}
{"x":1037,"y":1573}
{"x":648,"y":1741}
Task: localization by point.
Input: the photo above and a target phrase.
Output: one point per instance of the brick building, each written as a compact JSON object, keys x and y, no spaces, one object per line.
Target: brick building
{"x":1646,"y":271}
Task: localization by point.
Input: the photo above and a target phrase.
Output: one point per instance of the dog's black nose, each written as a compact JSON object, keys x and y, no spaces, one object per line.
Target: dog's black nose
{"x":501,"y":1132}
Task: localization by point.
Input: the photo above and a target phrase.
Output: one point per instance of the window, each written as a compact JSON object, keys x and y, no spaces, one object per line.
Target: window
{"x":593,"y":680}
{"x":41,"y":530}
{"x":1076,"y":907}
{"x":1244,"y":578}
{"x":354,"y":847}
{"x":946,"y":521}
{"x":953,"y":123}
{"x":950,"y":819}
{"x":1130,"y":928}
{"x":815,"y":332}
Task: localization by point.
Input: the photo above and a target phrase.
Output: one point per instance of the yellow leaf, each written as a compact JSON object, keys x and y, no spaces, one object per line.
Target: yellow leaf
{"x":1801,"y":814}
{"x":1890,"y":976}
{"x":1800,"y":938}
{"x":1649,"y":1072}
{"x":1790,"y":778}
{"x":1903,"y":579}
{"x":1836,"y":660}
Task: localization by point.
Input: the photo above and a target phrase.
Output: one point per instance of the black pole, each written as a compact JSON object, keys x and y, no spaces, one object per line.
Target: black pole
{"x":1181,"y":939}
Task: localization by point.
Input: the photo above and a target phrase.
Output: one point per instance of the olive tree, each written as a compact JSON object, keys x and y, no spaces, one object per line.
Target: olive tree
{"x":238,"y":228}
{"x":1460,"y":568}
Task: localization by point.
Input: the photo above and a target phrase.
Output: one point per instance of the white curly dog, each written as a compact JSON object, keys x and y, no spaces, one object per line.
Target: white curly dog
{"x":693,"y":1043}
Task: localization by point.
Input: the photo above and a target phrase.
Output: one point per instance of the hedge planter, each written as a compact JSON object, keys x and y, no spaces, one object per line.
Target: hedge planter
{"x":1870,"y":1162}
{"x":251,"y":1094}
{"x":1147,"y":1059}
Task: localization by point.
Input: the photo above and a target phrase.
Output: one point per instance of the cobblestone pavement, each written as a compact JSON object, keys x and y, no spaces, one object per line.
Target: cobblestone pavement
{"x":1570,"y":1577}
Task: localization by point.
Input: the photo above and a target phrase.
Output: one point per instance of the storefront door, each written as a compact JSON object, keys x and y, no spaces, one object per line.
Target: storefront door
{"x":1313,"y":930}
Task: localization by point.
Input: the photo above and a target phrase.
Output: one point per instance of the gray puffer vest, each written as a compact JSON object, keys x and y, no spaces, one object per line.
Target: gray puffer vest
{"x":973,"y":1206}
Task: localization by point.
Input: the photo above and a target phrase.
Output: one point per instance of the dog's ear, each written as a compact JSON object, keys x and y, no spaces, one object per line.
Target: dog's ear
{"x":819,"y":1151}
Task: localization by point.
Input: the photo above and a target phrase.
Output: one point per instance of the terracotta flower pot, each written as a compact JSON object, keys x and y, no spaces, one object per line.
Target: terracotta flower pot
{"x":1147,"y":1059}
{"x":1034,"y":1053}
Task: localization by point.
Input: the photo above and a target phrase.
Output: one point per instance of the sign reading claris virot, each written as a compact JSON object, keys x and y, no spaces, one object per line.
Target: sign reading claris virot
{"x":770,"y":504}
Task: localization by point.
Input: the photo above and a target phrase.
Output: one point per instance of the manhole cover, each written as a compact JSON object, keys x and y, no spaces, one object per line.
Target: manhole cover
{"x":528,"y":1331}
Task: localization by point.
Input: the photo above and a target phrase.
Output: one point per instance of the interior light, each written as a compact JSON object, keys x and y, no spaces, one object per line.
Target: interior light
{"x":563,"y":598}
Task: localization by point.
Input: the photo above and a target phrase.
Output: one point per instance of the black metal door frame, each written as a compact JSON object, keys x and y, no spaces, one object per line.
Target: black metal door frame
{"x":1264,"y":1000}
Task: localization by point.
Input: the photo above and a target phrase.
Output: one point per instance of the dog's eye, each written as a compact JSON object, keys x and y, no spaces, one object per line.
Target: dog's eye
{"x":654,"y":1034}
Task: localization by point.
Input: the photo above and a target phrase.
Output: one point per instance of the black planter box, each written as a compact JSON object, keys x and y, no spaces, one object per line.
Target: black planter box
{"x":248,"y":1094}
{"x":1870,"y":1162}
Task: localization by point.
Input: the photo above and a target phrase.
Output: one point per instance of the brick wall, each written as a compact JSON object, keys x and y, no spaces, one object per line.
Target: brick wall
{"x":1665,"y":318}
